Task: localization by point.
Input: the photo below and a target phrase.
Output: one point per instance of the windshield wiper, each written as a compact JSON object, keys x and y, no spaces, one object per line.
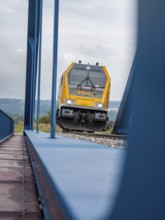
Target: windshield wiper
{"x":91,"y":82}
{"x":87,"y":79}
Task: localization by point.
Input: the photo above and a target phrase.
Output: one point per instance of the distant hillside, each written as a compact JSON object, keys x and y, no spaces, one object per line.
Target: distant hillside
{"x":113,"y":110}
{"x":16,"y":106}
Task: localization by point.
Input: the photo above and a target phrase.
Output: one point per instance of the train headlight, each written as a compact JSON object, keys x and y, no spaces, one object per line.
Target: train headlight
{"x":98,"y":105}
{"x":70,"y":101}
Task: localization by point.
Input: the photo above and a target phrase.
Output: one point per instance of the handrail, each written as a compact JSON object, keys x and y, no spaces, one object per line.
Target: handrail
{"x":6,"y":126}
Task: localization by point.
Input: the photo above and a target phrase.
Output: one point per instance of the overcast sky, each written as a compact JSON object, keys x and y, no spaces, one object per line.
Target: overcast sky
{"x":93,"y":31}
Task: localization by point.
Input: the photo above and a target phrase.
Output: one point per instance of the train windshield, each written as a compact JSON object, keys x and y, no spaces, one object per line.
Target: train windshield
{"x":91,"y":78}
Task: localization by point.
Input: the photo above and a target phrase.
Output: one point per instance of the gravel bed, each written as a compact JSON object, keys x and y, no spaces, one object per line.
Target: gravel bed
{"x":111,"y":142}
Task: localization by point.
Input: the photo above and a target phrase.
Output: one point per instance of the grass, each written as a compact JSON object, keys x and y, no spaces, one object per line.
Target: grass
{"x":109,"y":130}
{"x":18,"y":127}
{"x":43,"y":127}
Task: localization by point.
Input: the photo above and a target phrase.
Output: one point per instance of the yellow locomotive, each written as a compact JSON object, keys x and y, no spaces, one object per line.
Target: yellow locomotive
{"x":83,"y":97}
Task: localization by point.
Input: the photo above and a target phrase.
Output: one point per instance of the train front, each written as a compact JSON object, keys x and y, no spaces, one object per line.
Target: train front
{"x":84,"y":98}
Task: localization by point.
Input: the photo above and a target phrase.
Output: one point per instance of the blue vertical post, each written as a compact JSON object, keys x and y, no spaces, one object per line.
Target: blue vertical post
{"x":39,"y":66}
{"x":54,"y":77}
{"x":34,"y":64}
{"x":142,"y":191}
{"x":31,"y":64}
{"x":32,"y":82}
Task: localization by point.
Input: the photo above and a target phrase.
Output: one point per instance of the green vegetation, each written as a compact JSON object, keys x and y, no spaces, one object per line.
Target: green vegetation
{"x":109,"y":127}
{"x":18,"y":120}
{"x":18,"y":127}
{"x":44,"y":124}
{"x":44,"y":119}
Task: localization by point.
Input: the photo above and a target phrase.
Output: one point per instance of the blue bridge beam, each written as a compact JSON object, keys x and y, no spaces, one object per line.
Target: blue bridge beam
{"x":31,"y":65}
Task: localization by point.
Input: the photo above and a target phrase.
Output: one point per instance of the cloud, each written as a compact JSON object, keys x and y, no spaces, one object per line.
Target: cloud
{"x":93,"y":31}
{"x":13,"y":24}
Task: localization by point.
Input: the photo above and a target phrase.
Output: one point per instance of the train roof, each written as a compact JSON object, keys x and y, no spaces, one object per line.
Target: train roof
{"x":85,"y":66}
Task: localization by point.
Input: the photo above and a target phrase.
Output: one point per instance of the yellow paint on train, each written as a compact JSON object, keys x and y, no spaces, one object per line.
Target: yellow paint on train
{"x":85,"y":98}
{"x":86,"y":93}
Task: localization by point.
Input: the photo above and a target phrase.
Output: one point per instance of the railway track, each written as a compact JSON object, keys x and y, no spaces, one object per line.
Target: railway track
{"x":18,"y":193}
{"x":98,"y":134}
{"x":112,"y":140}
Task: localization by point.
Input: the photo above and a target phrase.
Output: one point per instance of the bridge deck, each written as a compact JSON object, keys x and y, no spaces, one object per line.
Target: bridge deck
{"x":18,"y":195}
{"x":75,"y":179}
{"x":84,"y":176}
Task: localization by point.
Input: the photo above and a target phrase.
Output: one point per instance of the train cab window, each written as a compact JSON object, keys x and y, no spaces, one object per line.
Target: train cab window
{"x":87,"y":78}
{"x":98,"y":78}
{"x":76,"y":76}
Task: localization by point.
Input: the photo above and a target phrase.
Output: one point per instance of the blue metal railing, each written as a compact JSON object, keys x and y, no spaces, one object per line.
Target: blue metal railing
{"x":6,"y":126}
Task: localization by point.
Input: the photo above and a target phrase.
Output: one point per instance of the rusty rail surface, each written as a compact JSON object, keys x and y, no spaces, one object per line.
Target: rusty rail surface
{"x":18,"y":194}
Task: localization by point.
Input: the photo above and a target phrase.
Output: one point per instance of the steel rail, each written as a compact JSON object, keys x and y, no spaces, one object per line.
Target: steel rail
{"x":17,"y":184}
{"x":99,"y":135}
